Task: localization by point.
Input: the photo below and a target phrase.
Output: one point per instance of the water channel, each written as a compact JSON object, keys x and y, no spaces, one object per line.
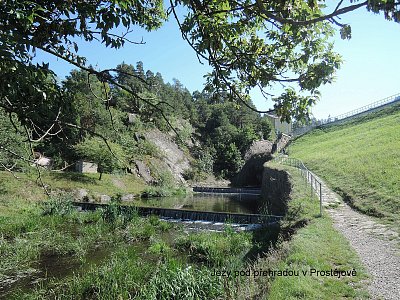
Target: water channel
{"x":230,"y":203}
{"x":59,"y":267}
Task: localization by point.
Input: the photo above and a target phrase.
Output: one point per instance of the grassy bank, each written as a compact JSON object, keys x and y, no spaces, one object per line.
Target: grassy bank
{"x":360,"y":160}
{"x":26,"y":184}
{"x":315,"y":247}
{"x":318,"y":247}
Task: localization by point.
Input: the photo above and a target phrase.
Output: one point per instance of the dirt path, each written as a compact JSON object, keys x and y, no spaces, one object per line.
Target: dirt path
{"x":377,"y":246}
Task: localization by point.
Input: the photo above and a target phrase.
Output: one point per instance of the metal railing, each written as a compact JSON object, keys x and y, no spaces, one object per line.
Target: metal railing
{"x":309,"y":177}
{"x":368,"y":107}
{"x":391,"y":99}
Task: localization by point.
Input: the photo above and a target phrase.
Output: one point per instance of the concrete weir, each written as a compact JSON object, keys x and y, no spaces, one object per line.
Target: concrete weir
{"x":192,"y":215}
{"x":219,"y":190}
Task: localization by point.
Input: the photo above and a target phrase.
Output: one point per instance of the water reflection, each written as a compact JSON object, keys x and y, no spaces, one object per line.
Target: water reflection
{"x":247,"y":204}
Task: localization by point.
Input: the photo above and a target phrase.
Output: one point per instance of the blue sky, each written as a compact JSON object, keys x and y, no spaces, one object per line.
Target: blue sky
{"x":371,"y":70}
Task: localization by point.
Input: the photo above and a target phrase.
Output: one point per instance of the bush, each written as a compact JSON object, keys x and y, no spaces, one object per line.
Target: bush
{"x":115,"y":215}
{"x":59,"y":205}
{"x":157,"y":191}
{"x":96,"y":150}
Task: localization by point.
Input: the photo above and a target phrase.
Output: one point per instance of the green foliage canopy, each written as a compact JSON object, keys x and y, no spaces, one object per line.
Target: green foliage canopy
{"x":108,"y":159}
{"x":248,"y":43}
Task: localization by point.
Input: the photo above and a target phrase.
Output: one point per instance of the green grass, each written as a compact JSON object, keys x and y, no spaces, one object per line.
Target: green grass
{"x":153,"y":259}
{"x":315,"y":246}
{"x":215,"y":249}
{"x":147,"y":262}
{"x":66,"y":181}
{"x":360,"y":160}
{"x":318,"y":246}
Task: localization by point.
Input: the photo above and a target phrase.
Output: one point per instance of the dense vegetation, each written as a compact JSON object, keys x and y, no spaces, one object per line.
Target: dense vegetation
{"x":249,"y":45}
{"x":97,"y":111}
{"x":360,"y":160}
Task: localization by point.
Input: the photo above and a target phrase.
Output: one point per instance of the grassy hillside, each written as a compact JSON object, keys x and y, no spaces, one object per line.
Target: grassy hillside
{"x":24,"y":187}
{"x":360,"y":160}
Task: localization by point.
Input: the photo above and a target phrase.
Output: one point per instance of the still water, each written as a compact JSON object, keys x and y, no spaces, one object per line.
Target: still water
{"x":245,"y":204}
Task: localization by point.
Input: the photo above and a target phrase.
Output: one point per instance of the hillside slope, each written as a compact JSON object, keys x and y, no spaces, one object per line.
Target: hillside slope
{"x":360,"y":160}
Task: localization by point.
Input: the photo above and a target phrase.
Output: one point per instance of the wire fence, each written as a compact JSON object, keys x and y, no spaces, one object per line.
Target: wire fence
{"x":309,"y":177}
{"x":380,"y":103}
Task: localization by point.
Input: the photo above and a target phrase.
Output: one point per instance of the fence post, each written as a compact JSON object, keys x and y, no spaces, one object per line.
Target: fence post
{"x":311,"y":179}
{"x":320,"y":199}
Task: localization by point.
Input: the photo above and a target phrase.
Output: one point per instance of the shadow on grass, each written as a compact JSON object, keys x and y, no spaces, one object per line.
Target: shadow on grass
{"x":269,"y":237}
{"x":77,"y":177}
{"x":263,"y":240}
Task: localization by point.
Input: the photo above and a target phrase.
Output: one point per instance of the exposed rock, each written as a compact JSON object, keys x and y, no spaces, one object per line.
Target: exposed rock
{"x":143,"y":171}
{"x":176,"y":160}
{"x":263,"y":147}
{"x":128,"y":197}
{"x":252,"y":172}
{"x":81,"y":195}
{"x":281,"y":142}
{"x":105,"y":198}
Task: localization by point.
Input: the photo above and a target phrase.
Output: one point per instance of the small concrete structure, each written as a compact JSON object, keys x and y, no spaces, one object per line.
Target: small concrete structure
{"x":85,"y":167}
{"x":279,"y":126}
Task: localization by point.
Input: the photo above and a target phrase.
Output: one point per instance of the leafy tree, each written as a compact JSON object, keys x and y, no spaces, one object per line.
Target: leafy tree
{"x":257,"y":44}
{"x":108,"y":159}
{"x":31,"y":91}
{"x":89,"y":99}
{"x":12,"y":143}
{"x":264,"y":127}
{"x":248,"y":43}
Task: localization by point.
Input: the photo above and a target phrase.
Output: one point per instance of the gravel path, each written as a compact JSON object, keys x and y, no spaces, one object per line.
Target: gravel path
{"x":376,"y":244}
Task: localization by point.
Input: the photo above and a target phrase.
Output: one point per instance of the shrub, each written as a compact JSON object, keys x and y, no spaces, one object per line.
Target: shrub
{"x":59,"y":205}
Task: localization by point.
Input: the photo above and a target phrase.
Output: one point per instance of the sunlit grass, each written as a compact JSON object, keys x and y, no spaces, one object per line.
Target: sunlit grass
{"x":318,"y":246}
{"x":27,"y":187}
{"x":360,"y":160}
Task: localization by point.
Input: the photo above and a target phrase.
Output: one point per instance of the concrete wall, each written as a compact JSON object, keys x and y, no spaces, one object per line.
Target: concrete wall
{"x":280,"y":127}
{"x":275,"y":190}
{"x":86,"y":167}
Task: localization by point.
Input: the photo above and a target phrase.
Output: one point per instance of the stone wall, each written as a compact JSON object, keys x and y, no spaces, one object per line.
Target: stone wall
{"x":275,"y":190}
{"x":86,"y":167}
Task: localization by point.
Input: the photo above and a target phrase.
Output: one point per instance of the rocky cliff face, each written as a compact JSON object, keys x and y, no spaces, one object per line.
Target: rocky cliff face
{"x":172,"y":158}
{"x":252,"y":172}
{"x":281,"y":142}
